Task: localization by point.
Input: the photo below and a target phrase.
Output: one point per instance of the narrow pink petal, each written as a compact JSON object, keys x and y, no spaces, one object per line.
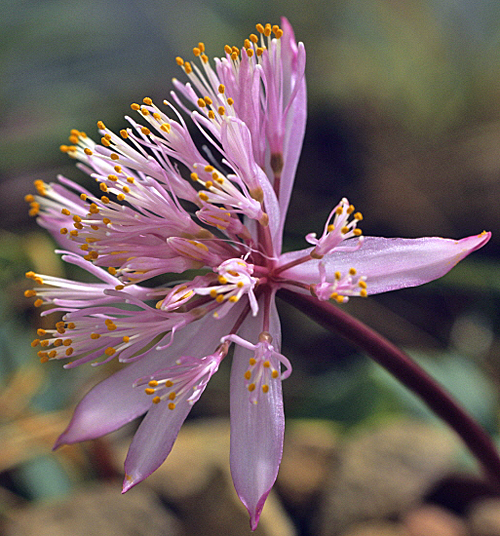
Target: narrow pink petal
{"x":155,"y":436}
{"x":256,"y":429}
{"x":114,"y":402}
{"x":390,"y":263}
{"x":107,"y":407}
{"x":293,"y":59}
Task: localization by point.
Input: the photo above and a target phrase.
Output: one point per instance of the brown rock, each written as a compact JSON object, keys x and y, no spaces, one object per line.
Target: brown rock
{"x":308,"y":452}
{"x":377,"y":529}
{"x":484,"y":518}
{"x":97,"y":510}
{"x":429,"y":520}
{"x":383,"y":472}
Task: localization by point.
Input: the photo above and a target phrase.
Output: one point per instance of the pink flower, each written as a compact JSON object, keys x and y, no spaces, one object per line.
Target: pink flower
{"x":165,"y":206}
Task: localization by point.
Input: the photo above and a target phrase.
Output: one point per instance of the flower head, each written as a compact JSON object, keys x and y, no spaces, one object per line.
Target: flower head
{"x":163,"y":206}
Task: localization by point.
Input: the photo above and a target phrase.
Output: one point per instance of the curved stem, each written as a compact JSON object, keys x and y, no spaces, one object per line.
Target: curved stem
{"x":407,"y":372}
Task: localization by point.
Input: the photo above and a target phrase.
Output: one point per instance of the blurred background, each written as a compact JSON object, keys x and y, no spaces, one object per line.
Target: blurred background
{"x":404,"y":120}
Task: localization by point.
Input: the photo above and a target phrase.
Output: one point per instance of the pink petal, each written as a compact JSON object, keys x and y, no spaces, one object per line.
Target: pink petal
{"x":390,"y":263}
{"x":256,"y":429}
{"x":294,"y":59}
{"x":114,"y":402}
{"x":155,"y":436}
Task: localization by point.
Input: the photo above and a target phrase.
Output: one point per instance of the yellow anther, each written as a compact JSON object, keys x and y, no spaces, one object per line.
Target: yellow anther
{"x":153,"y":383}
{"x":94,"y":336}
{"x":253,"y":38}
{"x":222,"y":89}
{"x":194,"y":176}
{"x":251,"y":387}
{"x":358,"y":216}
{"x":125,"y":339}
{"x":179,"y":61}
{"x":29,"y":198}
{"x":227,"y":49}
{"x":41,"y":332}
{"x":147,"y":100}
{"x":249,"y":52}
{"x":213,"y":293}
{"x":130,"y":180}
{"x":259,"y":28}
{"x":260,"y":51}
{"x":266,"y":364}
{"x":123,"y":133}
{"x":363,"y":293}
{"x":35,"y":343}
{"x":211,"y":114}
{"x":222,"y":280}
{"x":187,"y":68}
{"x":338,"y":275}
{"x":274,"y":374}
{"x":168,"y":383}
{"x":157,"y":116}
{"x":105,"y":199}
{"x":221,"y":110}
{"x":136,"y":107}
{"x":118,"y":169}
{"x":252,"y":361}
{"x":65,"y":211}
{"x":362,"y":284}
{"x":58,"y":342}
{"x":203,"y":196}
{"x":207,"y":100}
{"x":196,"y":51}
{"x":29,"y":293}
{"x":63,"y":148}
{"x":357,"y":232}
{"x":110,"y":351}
{"x":114,"y":156}
{"x":248,"y":375}
{"x":126,"y":189}
{"x":344,"y":230}
{"x":38,"y":303}
{"x":149,"y":391}
{"x":146,"y":131}
{"x":172,"y":395}
{"x":156,"y":400}
{"x":105,"y":142}
{"x":233,"y":299}
{"x":201,"y":103}
{"x":88,"y":152}
{"x":103,"y":187}
{"x":230,"y":101}
{"x":52,"y":354}
{"x":234,"y":56}
{"x":171,"y":406}
{"x":83,"y":197}
{"x":44,"y":359}
{"x":267,"y":30}
{"x":201,"y":46}
{"x":350,"y":209}
{"x":119,"y":287}
{"x":330,"y":228}
{"x":352,"y":271}
{"x":220,"y":298}
{"x":165,"y":127}
{"x":265,"y":388}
